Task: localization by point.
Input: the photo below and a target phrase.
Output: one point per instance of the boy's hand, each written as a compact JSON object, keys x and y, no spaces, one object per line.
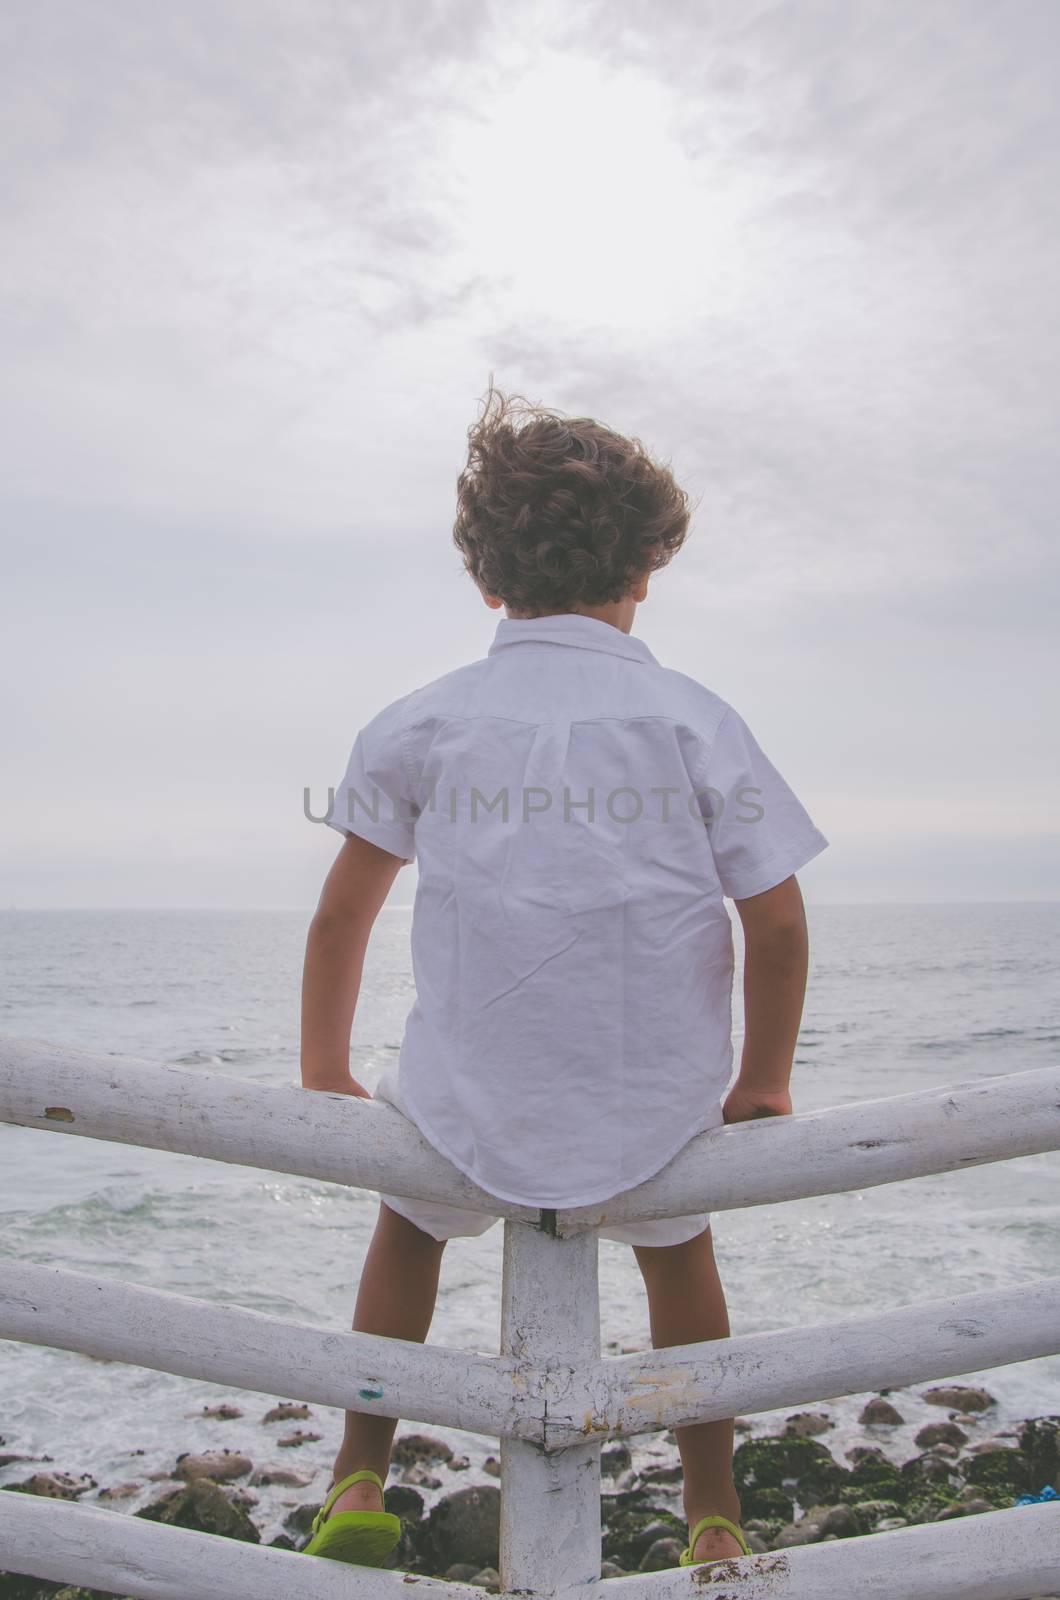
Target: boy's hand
{"x":744,"y":1105}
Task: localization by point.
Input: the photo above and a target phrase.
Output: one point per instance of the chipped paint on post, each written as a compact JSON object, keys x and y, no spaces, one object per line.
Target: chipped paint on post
{"x":550,"y":1533}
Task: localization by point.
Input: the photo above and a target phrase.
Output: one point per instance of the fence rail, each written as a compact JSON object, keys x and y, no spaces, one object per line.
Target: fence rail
{"x":555,"y":1405}
{"x":368,"y":1144}
{"x":549,"y":1396}
{"x":1012,"y":1554}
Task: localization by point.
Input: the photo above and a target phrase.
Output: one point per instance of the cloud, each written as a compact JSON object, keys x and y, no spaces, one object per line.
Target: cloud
{"x":262,"y":259}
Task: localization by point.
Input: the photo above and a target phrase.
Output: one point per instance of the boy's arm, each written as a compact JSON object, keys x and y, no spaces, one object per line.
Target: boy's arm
{"x":776,"y":958}
{"x":353,"y":893}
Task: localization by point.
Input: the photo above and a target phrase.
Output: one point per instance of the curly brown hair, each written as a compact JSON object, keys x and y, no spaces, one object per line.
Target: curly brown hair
{"x":561,"y":511}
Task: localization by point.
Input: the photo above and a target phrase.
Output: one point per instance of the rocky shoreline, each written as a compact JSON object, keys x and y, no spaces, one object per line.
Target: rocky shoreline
{"x":794,"y":1488}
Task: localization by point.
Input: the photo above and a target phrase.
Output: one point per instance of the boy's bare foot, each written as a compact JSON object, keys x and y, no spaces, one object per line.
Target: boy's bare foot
{"x":714,"y":1544}
{"x":363,"y":1496}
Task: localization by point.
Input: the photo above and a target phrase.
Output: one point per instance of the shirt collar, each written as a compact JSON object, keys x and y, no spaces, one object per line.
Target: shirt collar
{"x":570,"y":627}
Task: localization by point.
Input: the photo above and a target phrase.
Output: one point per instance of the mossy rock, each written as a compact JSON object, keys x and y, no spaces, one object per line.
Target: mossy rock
{"x":766,"y":1528}
{"x":931,"y":1473}
{"x":871,"y":1512}
{"x":641,"y":1497}
{"x":628,"y":1535}
{"x":999,"y":1472}
{"x":299,"y":1521}
{"x":767,"y":1505}
{"x":925,"y":1505}
{"x":1039,"y":1440}
{"x":616,"y":1459}
{"x":403,"y":1501}
{"x":14,"y":1586}
{"x":778,"y":1462}
{"x":661,"y":1554}
{"x":465,"y":1526}
{"x":877,"y":1479}
{"x":73,"y":1591}
{"x":203,"y":1506}
{"x":18,"y":1586}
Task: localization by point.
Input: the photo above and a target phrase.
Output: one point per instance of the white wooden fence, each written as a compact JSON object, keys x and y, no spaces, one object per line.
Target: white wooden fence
{"x":549,"y":1396}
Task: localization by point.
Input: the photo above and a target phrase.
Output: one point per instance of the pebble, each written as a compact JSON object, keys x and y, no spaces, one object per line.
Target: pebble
{"x":808,"y":1424}
{"x":220,"y":1465}
{"x":412,"y":1447}
{"x":959,"y":1398}
{"x":284,"y":1477}
{"x":880,"y":1413}
{"x":287,"y":1411}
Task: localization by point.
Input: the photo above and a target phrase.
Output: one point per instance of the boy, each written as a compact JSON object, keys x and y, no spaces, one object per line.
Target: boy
{"x":579,"y":813}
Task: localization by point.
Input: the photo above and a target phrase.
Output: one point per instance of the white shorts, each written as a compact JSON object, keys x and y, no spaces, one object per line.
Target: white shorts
{"x":444,"y":1221}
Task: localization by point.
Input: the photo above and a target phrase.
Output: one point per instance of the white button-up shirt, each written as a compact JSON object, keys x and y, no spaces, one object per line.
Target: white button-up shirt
{"x":578,"y":813}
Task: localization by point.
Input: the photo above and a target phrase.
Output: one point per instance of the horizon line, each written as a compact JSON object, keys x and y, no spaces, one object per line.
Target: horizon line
{"x":409,"y":906}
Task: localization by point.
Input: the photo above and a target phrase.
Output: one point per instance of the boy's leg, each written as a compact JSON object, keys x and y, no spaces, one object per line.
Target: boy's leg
{"x":398,"y":1288}
{"x":686,"y":1304}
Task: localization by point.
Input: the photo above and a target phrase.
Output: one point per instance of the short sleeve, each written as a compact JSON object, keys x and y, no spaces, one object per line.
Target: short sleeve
{"x":759,"y":831}
{"x":374,"y":799}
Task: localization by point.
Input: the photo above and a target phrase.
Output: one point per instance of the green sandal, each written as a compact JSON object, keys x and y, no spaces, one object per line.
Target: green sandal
{"x":363,"y":1537}
{"x":686,"y":1560}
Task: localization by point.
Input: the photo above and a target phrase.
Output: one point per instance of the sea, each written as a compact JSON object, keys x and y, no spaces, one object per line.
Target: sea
{"x":900,"y":998}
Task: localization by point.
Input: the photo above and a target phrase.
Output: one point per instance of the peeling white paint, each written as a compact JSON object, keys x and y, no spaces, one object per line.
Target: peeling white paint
{"x":548,"y":1397}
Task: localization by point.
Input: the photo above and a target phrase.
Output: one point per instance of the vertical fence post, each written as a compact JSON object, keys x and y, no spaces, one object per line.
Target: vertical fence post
{"x":550,"y":1499}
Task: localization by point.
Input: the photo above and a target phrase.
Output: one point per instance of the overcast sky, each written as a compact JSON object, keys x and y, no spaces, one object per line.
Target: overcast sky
{"x":261,"y":259}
